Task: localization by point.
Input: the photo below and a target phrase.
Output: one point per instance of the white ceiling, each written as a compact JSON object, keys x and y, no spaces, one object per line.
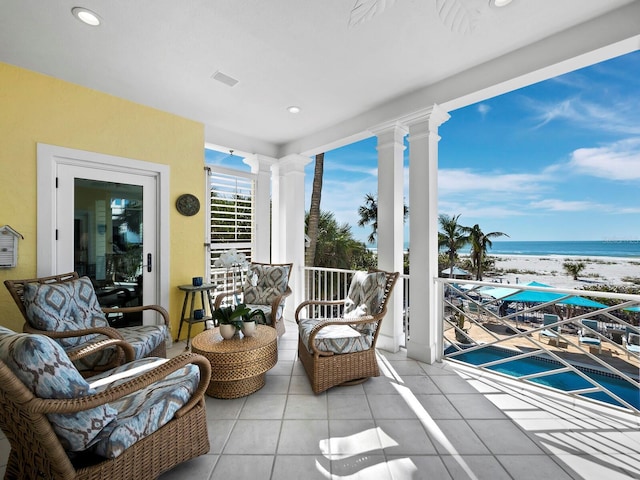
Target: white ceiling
{"x":346,"y":78}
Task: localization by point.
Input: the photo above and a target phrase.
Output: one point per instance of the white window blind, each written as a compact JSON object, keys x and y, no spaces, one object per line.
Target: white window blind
{"x":232,"y":213}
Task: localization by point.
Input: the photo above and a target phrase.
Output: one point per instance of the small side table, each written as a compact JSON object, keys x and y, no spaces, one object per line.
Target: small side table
{"x":238,"y":365}
{"x":188,"y":317}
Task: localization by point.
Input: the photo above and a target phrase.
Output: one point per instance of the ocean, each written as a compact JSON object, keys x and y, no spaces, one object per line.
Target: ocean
{"x":606,"y":248}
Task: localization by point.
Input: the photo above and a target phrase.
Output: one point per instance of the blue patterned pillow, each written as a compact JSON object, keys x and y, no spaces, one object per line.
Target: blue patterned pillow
{"x":265,"y":283}
{"x":145,"y":411}
{"x":44,"y":368}
{"x":64,"y":306}
{"x":365,"y":295}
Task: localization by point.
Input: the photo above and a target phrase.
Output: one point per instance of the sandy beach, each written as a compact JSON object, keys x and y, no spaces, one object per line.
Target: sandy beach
{"x":548,"y":269}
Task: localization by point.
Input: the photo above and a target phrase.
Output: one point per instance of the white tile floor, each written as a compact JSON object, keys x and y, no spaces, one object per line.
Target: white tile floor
{"x":416,"y":421}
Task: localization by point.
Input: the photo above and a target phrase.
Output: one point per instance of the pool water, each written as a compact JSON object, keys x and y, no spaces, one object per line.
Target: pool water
{"x":567,"y":381}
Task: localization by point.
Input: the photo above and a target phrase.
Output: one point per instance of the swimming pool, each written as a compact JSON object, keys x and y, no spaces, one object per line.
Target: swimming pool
{"x":567,"y":381}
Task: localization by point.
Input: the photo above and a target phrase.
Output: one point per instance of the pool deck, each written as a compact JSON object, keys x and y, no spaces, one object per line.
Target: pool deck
{"x":612,"y":354}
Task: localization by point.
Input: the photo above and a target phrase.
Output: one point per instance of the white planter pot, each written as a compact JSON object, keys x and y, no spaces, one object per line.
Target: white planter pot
{"x":249,"y":329}
{"x":227,"y":331}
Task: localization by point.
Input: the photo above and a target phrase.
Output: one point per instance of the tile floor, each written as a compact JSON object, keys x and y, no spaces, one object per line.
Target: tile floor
{"x":416,"y":421}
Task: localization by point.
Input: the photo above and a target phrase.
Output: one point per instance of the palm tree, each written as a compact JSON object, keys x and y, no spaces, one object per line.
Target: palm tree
{"x":452,"y":238}
{"x":480,"y":242}
{"x":574,"y":268}
{"x":336,"y":247}
{"x":369,"y":215}
{"x":314,"y":211}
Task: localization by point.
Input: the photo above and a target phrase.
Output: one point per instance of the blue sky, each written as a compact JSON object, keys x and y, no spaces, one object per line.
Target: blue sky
{"x":559,"y":160}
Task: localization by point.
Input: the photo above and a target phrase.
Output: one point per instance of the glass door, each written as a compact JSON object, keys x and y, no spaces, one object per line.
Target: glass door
{"x":108,"y":239}
{"x":106,"y":231}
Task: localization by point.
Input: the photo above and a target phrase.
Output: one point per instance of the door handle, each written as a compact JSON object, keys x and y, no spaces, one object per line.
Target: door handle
{"x":149,"y":265}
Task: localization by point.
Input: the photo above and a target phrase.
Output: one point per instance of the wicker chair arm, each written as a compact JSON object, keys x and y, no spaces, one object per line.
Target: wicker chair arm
{"x":110,"y":394}
{"x":91,"y":348}
{"x":106,"y":331}
{"x":163,"y":313}
{"x":306,"y":303}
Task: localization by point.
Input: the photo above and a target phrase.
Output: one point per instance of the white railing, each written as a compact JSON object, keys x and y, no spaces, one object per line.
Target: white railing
{"x":574,"y":331}
{"x":508,"y":331}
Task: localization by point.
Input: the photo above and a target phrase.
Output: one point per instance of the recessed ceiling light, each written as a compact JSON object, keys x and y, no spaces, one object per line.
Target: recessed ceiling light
{"x":500,"y":3}
{"x":293,"y":109}
{"x":86,"y":16}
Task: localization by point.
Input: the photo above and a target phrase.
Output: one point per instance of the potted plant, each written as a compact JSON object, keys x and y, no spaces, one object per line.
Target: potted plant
{"x":230,"y":319}
{"x":250,"y":320}
{"x":233,"y":318}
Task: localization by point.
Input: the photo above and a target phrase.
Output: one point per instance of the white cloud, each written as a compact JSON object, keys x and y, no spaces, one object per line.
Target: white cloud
{"x":466,"y":180}
{"x":483,"y":109}
{"x":617,"y":161}
{"x":621,"y":118}
{"x":558,"y":205}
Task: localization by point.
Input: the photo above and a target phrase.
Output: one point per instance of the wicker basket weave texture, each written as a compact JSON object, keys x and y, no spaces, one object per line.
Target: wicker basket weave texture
{"x":238,"y":365}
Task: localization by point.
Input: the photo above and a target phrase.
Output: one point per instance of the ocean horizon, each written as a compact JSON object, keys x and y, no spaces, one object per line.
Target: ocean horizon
{"x":593,"y":248}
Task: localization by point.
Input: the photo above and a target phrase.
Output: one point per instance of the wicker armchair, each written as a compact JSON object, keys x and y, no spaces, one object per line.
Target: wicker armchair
{"x":341,"y":351}
{"x":268,"y":294}
{"x":136,"y":427}
{"x":147,"y":341}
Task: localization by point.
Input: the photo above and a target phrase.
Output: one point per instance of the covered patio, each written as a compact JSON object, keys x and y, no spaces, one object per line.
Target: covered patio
{"x":158,"y":82}
{"x":415,"y":421}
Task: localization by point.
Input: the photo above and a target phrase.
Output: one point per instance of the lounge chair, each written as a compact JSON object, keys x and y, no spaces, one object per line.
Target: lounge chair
{"x":65,"y":307}
{"x":130,"y":423}
{"x":631,"y":342}
{"x":553,"y":331}
{"x":342,"y":351}
{"x":588,"y":335}
{"x":266,"y":289}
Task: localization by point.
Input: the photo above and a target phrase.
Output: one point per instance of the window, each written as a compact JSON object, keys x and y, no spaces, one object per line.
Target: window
{"x":231,"y":195}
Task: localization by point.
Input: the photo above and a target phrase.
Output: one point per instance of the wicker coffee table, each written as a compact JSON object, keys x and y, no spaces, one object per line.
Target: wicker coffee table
{"x":238,"y":366}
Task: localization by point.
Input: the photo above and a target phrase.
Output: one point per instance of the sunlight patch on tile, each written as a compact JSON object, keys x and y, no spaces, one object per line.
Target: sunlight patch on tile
{"x":338,"y":448}
{"x":433,"y":429}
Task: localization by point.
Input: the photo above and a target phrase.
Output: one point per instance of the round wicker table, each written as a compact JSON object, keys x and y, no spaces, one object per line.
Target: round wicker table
{"x":238,"y":365}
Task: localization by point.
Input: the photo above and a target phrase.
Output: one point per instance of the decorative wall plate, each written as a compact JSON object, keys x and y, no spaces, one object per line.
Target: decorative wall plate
{"x":188,"y":204}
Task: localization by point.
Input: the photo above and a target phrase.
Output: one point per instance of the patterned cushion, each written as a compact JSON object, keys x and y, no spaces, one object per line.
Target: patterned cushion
{"x":43,"y":366}
{"x":143,"y":338}
{"x":265,"y":283}
{"x":335,"y":338}
{"x":146,"y":410}
{"x":64,"y":306}
{"x":365,"y":295}
{"x":365,"y":289}
{"x":266,"y":309}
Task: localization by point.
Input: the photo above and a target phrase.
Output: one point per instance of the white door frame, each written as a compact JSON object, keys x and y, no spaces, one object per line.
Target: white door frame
{"x":48,"y":159}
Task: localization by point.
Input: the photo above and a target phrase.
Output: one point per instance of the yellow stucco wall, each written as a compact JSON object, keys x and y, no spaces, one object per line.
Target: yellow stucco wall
{"x":35,"y":108}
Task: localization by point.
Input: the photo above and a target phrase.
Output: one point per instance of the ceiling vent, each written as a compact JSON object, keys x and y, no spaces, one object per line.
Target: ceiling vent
{"x":226,"y":79}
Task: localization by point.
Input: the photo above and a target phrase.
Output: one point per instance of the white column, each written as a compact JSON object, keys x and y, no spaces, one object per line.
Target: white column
{"x":261,"y":166}
{"x":391,"y":225}
{"x":423,"y":234}
{"x":289,"y":240}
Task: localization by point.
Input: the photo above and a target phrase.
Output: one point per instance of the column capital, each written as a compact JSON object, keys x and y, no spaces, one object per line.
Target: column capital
{"x":395,"y":128}
{"x":433,"y":117}
{"x":390,"y":135}
{"x":292,"y":163}
{"x":260,"y":163}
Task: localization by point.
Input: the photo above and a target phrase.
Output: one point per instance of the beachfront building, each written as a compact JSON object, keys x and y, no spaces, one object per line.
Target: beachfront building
{"x":135,"y":99}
